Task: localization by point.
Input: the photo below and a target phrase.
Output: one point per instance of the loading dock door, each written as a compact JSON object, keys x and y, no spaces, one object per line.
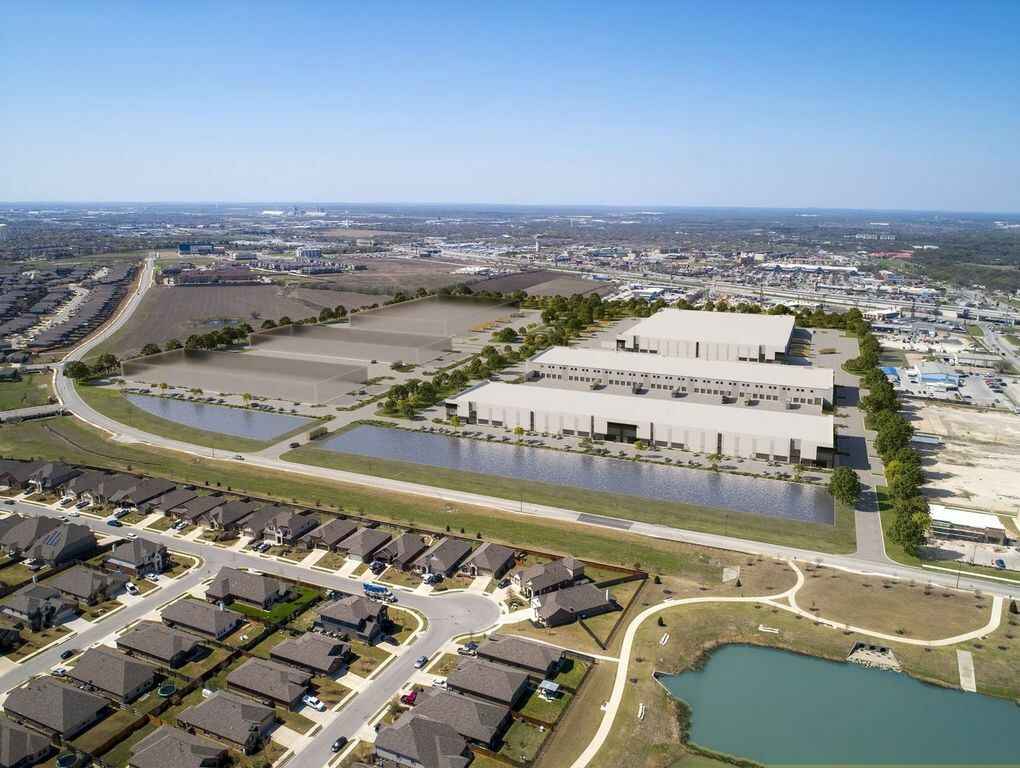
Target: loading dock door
{"x":621,"y":433}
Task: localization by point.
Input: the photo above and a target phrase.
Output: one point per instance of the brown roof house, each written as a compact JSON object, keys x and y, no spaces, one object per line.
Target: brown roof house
{"x":493,"y":682}
{"x":362,"y":545}
{"x":270,"y":682}
{"x":354,"y":615}
{"x":567,"y":605}
{"x":21,"y":747}
{"x":156,"y":642}
{"x":288,"y":525}
{"x":547,"y":577}
{"x":203,"y":618}
{"x":138,"y":556}
{"x":402,"y":551}
{"x":168,"y":747}
{"x":40,"y":606}
{"x":65,"y":544}
{"x":419,"y":742}
{"x":444,"y":557}
{"x":491,"y":560}
{"x":313,"y":652}
{"x":534,"y":658}
{"x":87,"y":585}
{"x":234,"y":719}
{"x":254,"y":589}
{"x":55,"y":708}
{"x":113,"y":674}
{"x":480,"y":722}
{"x":329,"y":535}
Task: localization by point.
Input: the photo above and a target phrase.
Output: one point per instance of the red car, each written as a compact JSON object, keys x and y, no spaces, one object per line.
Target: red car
{"x":409,"y":698}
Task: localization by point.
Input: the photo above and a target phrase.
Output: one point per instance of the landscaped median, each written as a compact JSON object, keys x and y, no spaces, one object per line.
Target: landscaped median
{"x":111,"y":403}
{"x":839,"y":538}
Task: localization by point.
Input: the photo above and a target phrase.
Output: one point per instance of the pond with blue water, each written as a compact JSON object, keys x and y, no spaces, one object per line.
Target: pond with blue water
{"x":783,"y":708}
{"x":774,"y":498}
{"x":236,"y":422}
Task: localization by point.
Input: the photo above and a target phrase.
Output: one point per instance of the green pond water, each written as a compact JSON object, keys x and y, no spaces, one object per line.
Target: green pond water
{"x":782,"y":708}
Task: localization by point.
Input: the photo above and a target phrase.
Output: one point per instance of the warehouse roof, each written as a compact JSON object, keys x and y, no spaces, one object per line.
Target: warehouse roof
{"x":757,"y":373}
{"x":629,"y":409}
{"x":965,"y":517}
{"x":716,"y":327}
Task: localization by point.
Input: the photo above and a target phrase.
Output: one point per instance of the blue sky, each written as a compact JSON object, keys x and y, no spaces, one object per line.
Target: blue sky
{"x":884,"y":105}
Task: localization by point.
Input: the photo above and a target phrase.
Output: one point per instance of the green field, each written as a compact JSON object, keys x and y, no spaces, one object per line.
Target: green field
{"x":707,"y":519}
{"x":112,"y":403}
{"x":30,"y":390}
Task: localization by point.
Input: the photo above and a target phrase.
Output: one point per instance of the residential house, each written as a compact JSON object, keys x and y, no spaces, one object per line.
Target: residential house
{"x":205,"y":619}
{"x":418,"y":742}
{"x":21,"y":747}
{"x":492,"y":682}
{"x":564,"y":606}
{"x":194,"y":510}
{"x":10,"y":636}
{"x":159,"y":643}
{"x":113,"y":674}
{"x":354,"y":615}
{"x":314,"y":652}
{"x":444,"y":557}
{"x":534,"y":658}
{"x":163,"y":504}
{"x":20,"y":535}
{"x":100,"y":487}
{"x":402,"y":551}
{"x":270,"y":682}
{"x":67,"y":543}
{"x":234,"y":719}
{"x":146,"y":490}
{"x":138,"y":557}
{"x":87,"y":585}
{"x":329,"y":535}
{"x":491,"y":560}
{"x":54,"y":708}
{"x":288,"y":525}
{"x":255,"y":524}
{"x":546,"y":577}
{"x":228,"y":517}
{"x":254,"y":589}
{"x":51,"y":476}
{"x":168,"y":747}
{"x":364,"y":543}
{"x":85,"y":484}
{"x":40,"y":606}
{"x":15,"y":474}
{"x":480,"y":722}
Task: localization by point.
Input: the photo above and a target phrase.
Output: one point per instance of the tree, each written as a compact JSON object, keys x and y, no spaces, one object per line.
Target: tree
{"x":107,"y":362}
{"x":266,"y":324}
{"x":845,"y":486}
{"x":77,"y":370}
{"x":246,"y":397}
{"x":150,"y":349}
{"x":910,"y":523}
{"x":455,"y":421}
{"x":505,"y":335}
{"x":325,"y":314}
{"x":172,"y":344}
{"x":519,"y":431}
{"x":285,"y":320}
{"x":340,"y":312}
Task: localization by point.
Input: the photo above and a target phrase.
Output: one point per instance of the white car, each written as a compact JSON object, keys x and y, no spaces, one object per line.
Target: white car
{"x":314,"y":703}
{"x":132,"y":535}
{"x":132,"y":589}
{"x":73,"y":513}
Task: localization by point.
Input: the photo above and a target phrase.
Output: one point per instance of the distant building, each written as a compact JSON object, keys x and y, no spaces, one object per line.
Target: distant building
{"x":192,"y":249}
{"x":308,"y":252}
{"x":711,"y":335}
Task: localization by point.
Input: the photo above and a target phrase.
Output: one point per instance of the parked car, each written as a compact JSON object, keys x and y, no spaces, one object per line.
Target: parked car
{"x":9,"y":502}
{"x":1000,"y":564}
{"x":73,"y":513}
{"x":115,"y":523}
{"x":132,"y":535}
{"x":298,"y":445}
{"x":465,"y":651}
{"x":314,"y":703}
{"x":67,"y":501}
{"x":83,"y":504}
{"x":68,"y":654}
{"x":59,"y":672}
{"x":339,"y":744}
{"x":153,"y":577}
{"x":131,"y":589}
{"x":503,"y":583}
{"x":238,"y":457}
{"x":409,"y":698}
{"x":421,"y":661}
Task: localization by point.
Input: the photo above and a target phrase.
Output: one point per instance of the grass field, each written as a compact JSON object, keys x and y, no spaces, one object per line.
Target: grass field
{"x":29,"y":390}
{"x":68,"y":439}
{"x":838,"y":538}
{"x":110,"y":402}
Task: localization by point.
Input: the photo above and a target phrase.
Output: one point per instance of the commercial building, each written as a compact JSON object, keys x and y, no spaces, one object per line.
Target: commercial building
{"x":937,"y":376}
{"x":706,"y":428}
{"x":954,"y":523}
{"x":714,"y":380}
{"x":711,"y":335}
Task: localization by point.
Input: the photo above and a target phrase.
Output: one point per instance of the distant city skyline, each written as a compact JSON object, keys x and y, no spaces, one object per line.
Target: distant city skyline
{"x":785,"y":105}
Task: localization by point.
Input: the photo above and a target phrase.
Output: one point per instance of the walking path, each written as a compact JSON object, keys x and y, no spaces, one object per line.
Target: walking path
{"x":774,"y":601}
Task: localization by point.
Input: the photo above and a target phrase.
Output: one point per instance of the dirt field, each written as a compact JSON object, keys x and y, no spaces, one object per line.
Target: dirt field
{"x":541,"y":283}
{"x":387,"y":276}
{"x":977,"y":465}
{"x":452,"y":317}
{"x":175,"y":313}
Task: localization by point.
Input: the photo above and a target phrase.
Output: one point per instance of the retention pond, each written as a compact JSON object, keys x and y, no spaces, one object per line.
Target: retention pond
{"x":636,"y":478}
{"x":236,"y":422}
{"x":777,"y":707}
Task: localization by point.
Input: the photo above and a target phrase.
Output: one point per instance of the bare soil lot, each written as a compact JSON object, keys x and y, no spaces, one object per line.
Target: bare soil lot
{"x":541,"y":283}
{"x":176,"y":313}
{"x":389,"y":275}
{"x":977,"y":465}
{"x":440,"y":317}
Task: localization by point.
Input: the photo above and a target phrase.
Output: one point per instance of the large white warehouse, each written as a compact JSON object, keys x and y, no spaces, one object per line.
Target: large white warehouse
{"x":710,"y":335}
{"x":705,"y":380}
{"x":725,"y":429}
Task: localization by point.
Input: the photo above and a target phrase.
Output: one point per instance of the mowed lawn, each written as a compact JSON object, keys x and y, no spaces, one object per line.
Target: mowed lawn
{"x":827,"y":538}
{"x":30,"y":390}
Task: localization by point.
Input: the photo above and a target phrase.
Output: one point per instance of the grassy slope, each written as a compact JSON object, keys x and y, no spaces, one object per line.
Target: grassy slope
{"x":68,"y":439}
{"x":31,"y":390}
{"x":694,"y":517}
{"x":112,"y":403}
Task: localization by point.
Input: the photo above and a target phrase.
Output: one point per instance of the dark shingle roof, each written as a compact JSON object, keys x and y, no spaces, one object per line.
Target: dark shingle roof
{"x":136,"y":551}
{"x":365,"y":541}
{"x":276,"y":681}
{"x":112,"y":671}
{"x":334,"y":531}
{"x":519,"y":652}
{"x":84,"y":583}
{"x":566,"y":603}
{"x":228,"y":715}
{"x":18,"y":743}
{"x":352,"y":609}
{"x":495,"y":681}
{"x":311,"y":650}
{"x":158,"y":640}
{"x":492,"y":557}
{"x":230,"y":582}
{"x":430,"y":743}
{"x":168,"y":747}
{"x":54,"y":705}
{"x":445,"y":555}
{"x":201,"y":616}
{"x":474,"y":719}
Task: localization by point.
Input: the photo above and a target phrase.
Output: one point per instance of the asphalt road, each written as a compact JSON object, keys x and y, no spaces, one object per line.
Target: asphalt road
{"x":448,"y":615}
